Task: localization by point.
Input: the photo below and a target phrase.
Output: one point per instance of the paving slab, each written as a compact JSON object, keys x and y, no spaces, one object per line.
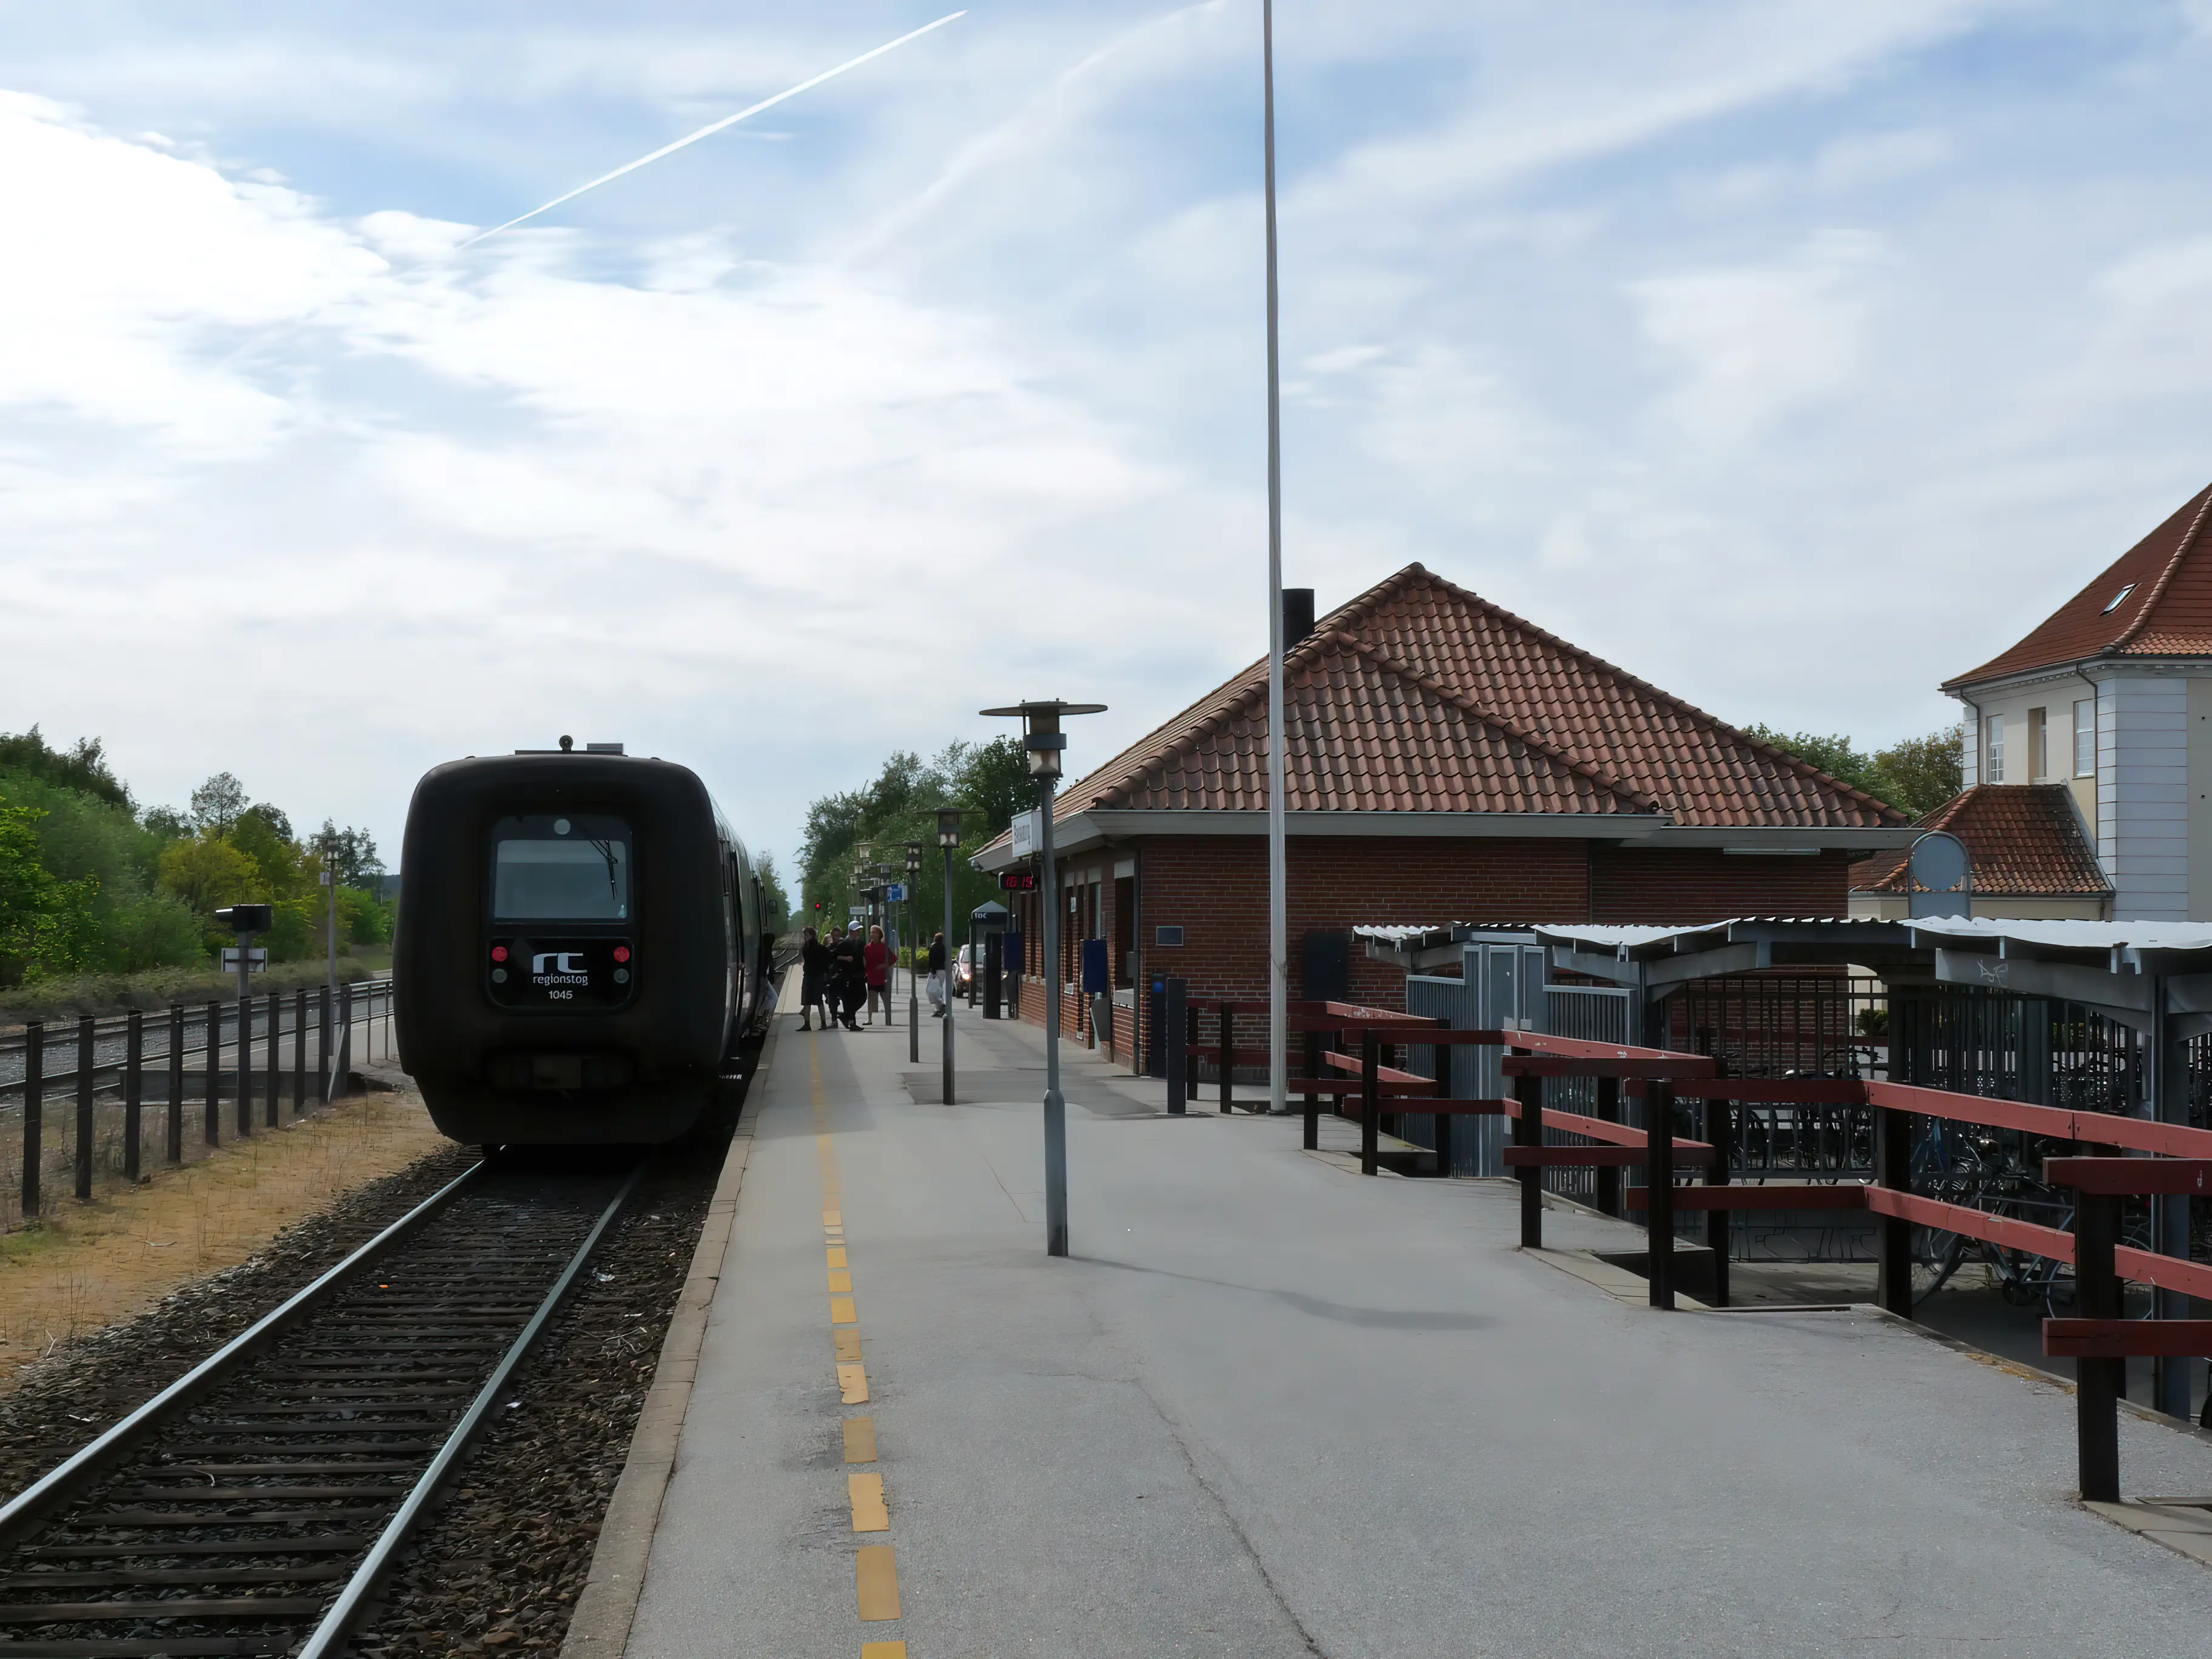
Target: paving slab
{"x":1271,"y":1407}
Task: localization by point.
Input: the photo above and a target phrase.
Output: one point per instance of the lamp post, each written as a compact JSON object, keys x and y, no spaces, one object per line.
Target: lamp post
{"x":913,"y":989}
{"x":1278,"y":854}
{"x":1043,"y":741}
{"x":948,"y":837}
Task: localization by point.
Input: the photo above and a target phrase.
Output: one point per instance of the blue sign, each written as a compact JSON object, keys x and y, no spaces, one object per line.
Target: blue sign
{"x":896,"y":893}
{"x":1094,"y":966}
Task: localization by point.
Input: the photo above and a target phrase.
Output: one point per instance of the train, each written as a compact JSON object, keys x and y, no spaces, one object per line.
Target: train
{"x":581,"y":948}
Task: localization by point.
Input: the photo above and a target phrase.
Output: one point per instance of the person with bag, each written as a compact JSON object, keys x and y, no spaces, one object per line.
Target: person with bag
{"x":878,"y":958}
{"x":848,"y":977}
{"x":937,"y":991}
{"x":813,"y":981}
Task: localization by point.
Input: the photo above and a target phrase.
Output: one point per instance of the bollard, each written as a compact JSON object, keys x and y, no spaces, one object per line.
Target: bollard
{"x":299,"y":1052}
{"x":1719,"y":1131}
{"x":1659,"y":1179}
{"x":1175,"y":1033}
{"x":1228,"y":1053}
{"x":1370,"y":1104}
{"x":1529,"y":1131}
{"x":1608,"y":1179}
{"x":1892,"y":1167}
{"x":214,"y":1073}
{"x":34,"y":1111}
{"x":244,"y":1064}
{"x":1313,"y":1101}
{"x":2099,"y":1384}
{"x":176,"y":1101}
{"x":84,"y":1070}
{"x":134,"y":1056}
{"x":1190,"y":1051}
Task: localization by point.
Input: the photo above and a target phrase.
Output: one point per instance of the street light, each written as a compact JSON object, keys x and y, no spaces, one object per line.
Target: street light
{"x":948,"y":837}
{"x":1043,"y":741}
{"x":913,"y":991}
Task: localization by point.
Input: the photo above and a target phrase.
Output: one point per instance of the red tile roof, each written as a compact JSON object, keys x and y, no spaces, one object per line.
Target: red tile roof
{"x":2027,"y":840}
{"x":1420,"y":696}
{"x":2167,"y":612}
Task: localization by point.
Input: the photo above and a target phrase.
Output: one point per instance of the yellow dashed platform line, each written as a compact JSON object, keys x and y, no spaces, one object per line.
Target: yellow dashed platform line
{"x":875,"y":1568}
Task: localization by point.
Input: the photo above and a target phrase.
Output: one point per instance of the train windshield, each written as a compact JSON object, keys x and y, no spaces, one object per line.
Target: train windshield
{"x":561,"y":869}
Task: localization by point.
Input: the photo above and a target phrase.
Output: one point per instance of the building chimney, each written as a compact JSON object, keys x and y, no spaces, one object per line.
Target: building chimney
{"x":1298,"y":615}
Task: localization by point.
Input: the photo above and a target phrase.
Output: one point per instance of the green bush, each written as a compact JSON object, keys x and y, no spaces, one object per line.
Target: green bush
{"x":297,"y":932}
{"x":362,"y":918}
{"x":155,"y":930}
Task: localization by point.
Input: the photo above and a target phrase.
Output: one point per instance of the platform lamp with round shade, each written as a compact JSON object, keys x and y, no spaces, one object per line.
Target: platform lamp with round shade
{"x":913,"y":987}
{"x":1043,"y":742}
{"x":948,"y":838}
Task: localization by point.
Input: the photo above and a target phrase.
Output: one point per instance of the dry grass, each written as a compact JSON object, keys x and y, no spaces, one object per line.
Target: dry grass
{"x":87,"y":1266}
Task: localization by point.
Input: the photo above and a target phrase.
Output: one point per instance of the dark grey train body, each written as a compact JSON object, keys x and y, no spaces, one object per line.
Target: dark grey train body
{"x":580,"y":948}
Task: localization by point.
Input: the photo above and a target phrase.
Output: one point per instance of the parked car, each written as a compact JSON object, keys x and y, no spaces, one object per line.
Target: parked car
{"x":963,"y":970}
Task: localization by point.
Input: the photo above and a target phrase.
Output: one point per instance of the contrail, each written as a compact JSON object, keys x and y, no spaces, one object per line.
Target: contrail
{"x":727,"y":121}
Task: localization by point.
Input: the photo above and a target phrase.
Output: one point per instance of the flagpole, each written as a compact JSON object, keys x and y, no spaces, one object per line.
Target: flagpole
{"x":1278,"y":1007}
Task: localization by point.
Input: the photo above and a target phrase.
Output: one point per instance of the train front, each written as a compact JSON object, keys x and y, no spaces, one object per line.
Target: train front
{"x":563,"y":956}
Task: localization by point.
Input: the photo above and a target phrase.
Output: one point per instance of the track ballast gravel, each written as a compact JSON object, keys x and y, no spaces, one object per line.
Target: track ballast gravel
{"x":85,"y":1383}
{"x":498,"y":1567}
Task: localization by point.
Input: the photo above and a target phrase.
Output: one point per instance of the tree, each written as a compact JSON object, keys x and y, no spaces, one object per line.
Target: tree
{"x":1916,"y":775}
{"x":264,"y":834}
{"x":84,"y":768}
{"x":207,"y":872}
{"x":217,"y":803}
{"x":165,"y":823}
{"x":775,"y":902}
{"x":45,"y":926}
{"x":351,"y":852}
{"x":1925,"y":772}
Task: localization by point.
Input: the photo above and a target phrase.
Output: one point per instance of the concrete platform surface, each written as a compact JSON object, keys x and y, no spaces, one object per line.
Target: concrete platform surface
{"x":1271,"y":1407}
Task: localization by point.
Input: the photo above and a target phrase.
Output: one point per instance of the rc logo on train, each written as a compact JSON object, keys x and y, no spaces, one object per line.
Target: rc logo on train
{"x":540,"y":885}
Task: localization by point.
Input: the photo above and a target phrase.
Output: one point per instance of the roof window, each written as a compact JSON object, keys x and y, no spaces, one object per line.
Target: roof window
{"x":2118,"y":599}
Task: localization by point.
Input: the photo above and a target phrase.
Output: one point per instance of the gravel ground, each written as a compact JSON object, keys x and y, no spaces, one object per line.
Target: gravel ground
{"x":498,"y":1568}
{"x":85,"y":1384}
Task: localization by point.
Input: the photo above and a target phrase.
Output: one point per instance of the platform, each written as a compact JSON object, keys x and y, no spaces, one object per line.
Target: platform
{"x":1273,"y":1408}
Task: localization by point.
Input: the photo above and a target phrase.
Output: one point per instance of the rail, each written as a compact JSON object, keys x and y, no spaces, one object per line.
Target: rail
{"x":363,"y":1373}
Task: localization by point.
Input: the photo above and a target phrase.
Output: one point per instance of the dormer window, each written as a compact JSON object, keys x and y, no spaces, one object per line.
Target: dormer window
{"x":2118,"y":599}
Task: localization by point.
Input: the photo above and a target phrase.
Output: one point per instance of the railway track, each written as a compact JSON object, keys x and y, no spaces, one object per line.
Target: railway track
{"x":254,"y":1506}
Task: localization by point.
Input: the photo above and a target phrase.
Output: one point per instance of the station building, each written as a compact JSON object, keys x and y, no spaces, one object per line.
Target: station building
{"x":1445,"y":758}
{"x":2107,"y":702}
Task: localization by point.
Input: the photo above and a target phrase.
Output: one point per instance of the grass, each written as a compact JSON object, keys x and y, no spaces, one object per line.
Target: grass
{"x":85,"y":1265}
{"x":100,"y":993}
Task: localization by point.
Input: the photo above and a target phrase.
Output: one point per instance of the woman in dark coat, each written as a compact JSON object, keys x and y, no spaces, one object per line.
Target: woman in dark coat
{"x":848,"y":977}
{"x":813,"y":980}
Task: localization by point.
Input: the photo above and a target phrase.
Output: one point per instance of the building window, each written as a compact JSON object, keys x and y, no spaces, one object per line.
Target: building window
{"x":2038,"y":746}
{"x":1993,"y":749}
{"x":2085,"y":738}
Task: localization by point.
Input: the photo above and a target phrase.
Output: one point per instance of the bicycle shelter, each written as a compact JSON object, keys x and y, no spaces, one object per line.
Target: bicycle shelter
{"x":2081,"y":1023}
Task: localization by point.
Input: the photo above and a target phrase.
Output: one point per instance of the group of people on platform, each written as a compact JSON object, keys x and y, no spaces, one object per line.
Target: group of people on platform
{"x":841,"y":974}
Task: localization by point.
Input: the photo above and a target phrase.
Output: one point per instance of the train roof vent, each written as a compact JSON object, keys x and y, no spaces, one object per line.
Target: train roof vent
{"x":602,"y":749}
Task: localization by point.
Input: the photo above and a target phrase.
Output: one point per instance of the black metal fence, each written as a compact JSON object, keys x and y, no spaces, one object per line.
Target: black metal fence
{"x":217,"y":1067}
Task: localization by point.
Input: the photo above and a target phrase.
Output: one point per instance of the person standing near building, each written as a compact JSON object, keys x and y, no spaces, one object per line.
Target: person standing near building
{"x":936,"y":991}
{"x":847,"y":976}
{"x":813,"y":980}
{"x":878,"y":958}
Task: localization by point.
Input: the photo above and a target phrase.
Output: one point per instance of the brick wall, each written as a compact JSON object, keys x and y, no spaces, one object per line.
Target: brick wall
{"x":1689,"y":885}
{"x":1215,"y":887}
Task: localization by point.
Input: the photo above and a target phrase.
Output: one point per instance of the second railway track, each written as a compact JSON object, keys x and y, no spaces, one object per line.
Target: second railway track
{"x":252,"y":1506}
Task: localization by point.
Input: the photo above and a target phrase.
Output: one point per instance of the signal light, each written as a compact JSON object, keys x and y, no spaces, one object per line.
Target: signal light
{"x":622,"y":953}
{"x":499,"y":953}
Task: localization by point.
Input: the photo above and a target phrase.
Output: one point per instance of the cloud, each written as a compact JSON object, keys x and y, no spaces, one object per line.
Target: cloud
{"x":1752,"y":344}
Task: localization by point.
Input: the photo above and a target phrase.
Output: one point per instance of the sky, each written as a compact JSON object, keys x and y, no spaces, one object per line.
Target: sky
{"x":1792,"y":357}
